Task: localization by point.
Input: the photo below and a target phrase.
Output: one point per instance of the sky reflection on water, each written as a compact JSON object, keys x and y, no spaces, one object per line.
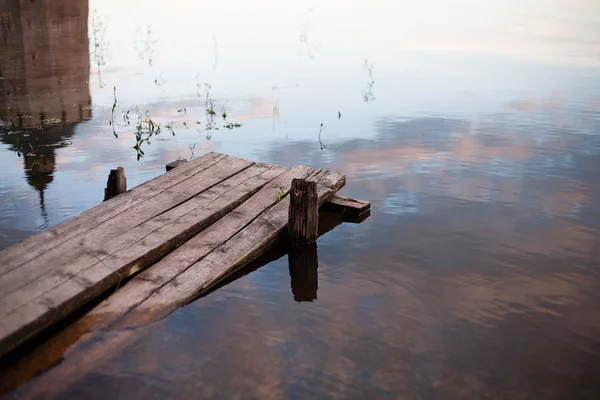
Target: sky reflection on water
{"x":476,"y":275}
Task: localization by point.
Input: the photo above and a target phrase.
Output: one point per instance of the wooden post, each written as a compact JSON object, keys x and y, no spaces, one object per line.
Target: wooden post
{"x":304,"y":263}
{"x":303,"y":217}
{"x":117,"y":183}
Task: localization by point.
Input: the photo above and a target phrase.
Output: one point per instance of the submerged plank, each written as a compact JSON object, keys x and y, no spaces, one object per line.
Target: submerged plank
{"x":90,"y":247}
{"x":350,"y":207}
{"x":37,"y":245}
{"x":76,"y":283}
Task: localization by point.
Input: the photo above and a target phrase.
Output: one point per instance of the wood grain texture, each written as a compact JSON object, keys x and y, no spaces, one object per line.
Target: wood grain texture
{"x":303,"y":215}
{"x":116,"y":184}
{"x":226,"y":258}
{"x":74,"y":284}
{"x":84,"y":333}
{"x":350,"y":207}
{"x":159,"y":274}
{"x":152,"y":238}
{"x":173,"y":281}
{"x":94,"y":245}
{"x":37,"y":245}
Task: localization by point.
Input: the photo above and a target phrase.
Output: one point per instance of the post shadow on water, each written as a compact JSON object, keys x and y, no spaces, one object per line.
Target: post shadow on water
{"x":300,"y":280}
{"x":304,"y":260}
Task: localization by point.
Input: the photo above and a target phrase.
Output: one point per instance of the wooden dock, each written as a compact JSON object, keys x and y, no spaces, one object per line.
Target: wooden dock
{"x":180,"y":234}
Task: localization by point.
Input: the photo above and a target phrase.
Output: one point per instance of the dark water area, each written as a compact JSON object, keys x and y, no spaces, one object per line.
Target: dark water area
{"x":472,"y":127}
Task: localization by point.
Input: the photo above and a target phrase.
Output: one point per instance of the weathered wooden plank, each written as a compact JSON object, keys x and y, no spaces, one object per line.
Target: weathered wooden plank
{"x":350,"y":207}
{"x":159,"y":274}
{"x":77,"y":336}
{"x":144,"y":284}
{"x":33,"y":247}
{"x":91,"y":246}
{"x":97,"y":336}
{"x":74,"y":284}
{"x":152,"y":238}
{"x":225,"y":259}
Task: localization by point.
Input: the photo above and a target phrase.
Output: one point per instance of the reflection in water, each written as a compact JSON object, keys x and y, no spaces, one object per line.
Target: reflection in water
{"x":38,"y":149}
{"x":307,"y":45}
{"x":215,"y":52}
{"x":45,"y":71}
{"x":145,"y":44}
{"x":367,"y":92}
{"x":488,"y":290}
{"x":304,"y":262}
{"x":94,"y":338}
{"x":476,"y":275}
{"x":45,"y":62}
{"x":99,"y":43}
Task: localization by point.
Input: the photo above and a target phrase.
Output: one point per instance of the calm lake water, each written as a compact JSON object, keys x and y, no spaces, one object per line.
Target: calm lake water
{"x":473,"y":127}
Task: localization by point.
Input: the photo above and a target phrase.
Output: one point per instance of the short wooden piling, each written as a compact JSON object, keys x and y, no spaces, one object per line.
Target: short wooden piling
{"x":116,"y":184}
{"x":303,"y":216}
{"x":304,"y":264}
{"x":181,"y":234}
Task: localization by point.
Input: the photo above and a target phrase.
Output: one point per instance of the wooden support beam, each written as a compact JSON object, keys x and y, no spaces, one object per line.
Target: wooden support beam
{"x":116,"y":184}
{"x":303,"y":216}
{"x":348,"y":206}
{"x":304,"y":262}
{"x":175,"y":164}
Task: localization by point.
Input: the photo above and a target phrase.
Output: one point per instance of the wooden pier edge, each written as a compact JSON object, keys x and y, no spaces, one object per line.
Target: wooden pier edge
{"x":189,"y":271}
{"x":349,"y":207}
{"x":204,"y":220}
{"x":41,"y":292}
{"x":73,"y":339}
{"x":28,"y":249}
